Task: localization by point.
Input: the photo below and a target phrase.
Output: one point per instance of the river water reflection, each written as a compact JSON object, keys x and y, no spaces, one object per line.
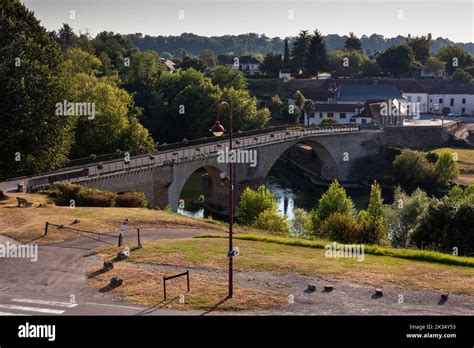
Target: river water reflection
{"x":291,"y":191}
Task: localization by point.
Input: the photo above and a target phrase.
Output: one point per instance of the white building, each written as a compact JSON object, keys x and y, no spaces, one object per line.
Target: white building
{"x":249,"y":65}
{"x":284,"y":74}
{"x":455,"y":96}
{"x":339,"y":112}
{"x":413,"y":92}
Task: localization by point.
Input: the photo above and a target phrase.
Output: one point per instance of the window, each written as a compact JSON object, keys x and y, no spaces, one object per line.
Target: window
{"x":464,"y":100}
{"x":342,"y":115}
{"x":409,"y":98}
{"x":431,"y":100}
{"x":463,"y":111}
{"x":331,"y":114}
{"x":418,"y":99}
{"x":320,"y":115}
{"x":451,"y":102}
{"x":440,"y":100}
{"x":364,"y":121}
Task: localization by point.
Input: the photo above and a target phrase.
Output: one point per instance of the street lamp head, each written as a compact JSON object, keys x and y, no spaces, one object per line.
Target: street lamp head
{"x":217,"y":129}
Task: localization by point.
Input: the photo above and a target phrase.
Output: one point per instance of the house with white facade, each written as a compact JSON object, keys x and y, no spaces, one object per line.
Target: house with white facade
{"x":457,"y":97}
{"x":249,"y":65}
{"x":413,"y":93}
{"x":339,"y":112}
{"x":284,"y":74}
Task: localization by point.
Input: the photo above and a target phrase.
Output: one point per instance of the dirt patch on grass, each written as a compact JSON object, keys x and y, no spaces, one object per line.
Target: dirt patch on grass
{"x":208,"y":292}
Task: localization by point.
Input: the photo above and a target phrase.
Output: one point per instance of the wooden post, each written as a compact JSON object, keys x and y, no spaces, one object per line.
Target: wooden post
{"x":139,"y":245}
{"x":164,"y":286}
{"x":46,"y":228}
{"x":187,"y":275}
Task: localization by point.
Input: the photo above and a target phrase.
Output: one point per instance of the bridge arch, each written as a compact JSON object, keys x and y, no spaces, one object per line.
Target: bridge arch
{"x":213,"y":188}
{"x":328,"y":167}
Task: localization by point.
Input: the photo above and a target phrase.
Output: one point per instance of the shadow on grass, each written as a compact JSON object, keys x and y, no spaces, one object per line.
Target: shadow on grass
{"x":34,"y":239}
{"x":152,"y":309}
{"x":216,"y":306}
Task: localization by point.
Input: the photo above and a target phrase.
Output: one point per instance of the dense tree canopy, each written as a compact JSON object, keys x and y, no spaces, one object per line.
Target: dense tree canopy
{"x":32,"y":137}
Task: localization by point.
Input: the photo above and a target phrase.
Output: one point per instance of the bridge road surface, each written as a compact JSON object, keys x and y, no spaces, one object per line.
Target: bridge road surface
{"x":45,"y":287}
{"x":182,"y":154}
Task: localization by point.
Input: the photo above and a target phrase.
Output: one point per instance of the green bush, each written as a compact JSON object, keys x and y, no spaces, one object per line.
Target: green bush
{"x":131,"y":200}
{"x":96,"y":198}
{"x":252,"y":203}
{"x":330,"y":120}
{"x":339,"y":227}
{"x":269,"y":220}
{"x":53,"y":193}
{"x":67,"y":192}
{"x":87,"y":197}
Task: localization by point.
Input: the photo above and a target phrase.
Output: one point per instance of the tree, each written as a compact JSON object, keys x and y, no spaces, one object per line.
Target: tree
{"x":412,"y":169}
{"x":447,"y":224}
{"x":372,"y":223}
{"x":246,"y":114}
{"x":117,"y":47}
{"x":252,"y":203}
{"x":33,"y":80}
{"x":272,"y":63}
{"x":421,"y":47}
{"x":369,"y":68}
{"x":334,"y":200}
{"x":225,"y":59}
{"x":115,"y":123}
{"x":145,"y":67}
{"x":461,"y":75}
{"x":397,"y":59}
{"x":316,"y":58}
{"x":454,"y":57}
{"x":191,"y":62}
{"x":308,"y":107}
{"x":300,"y":50}
{"x":286,"y":56}
{"x":79,"y":61}
{"x":208,"y":57}
{"x":446,"y":169}
{"x":166,"y":55}
{"x":224,"y":76}
{"x":269,"y":220}
{"x":299,"y":99}
{"x":184,"y":105}
{"x":353,"y":43}
{"x":301,"y":225}
{"x":404,"y":215}
{"x":180,"y":53}
{"x":346,"y":63}
{"x":66,"y":37}
{"x":434,"y":65}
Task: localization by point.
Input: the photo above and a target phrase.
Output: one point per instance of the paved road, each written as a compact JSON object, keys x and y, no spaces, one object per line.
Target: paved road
{"x":47,"y":287}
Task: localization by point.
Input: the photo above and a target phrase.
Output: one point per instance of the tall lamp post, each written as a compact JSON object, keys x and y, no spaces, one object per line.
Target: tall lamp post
{"x":218,"y":130}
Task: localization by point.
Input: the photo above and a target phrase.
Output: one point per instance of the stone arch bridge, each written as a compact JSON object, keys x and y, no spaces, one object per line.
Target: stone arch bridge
{"x":162,"y":175}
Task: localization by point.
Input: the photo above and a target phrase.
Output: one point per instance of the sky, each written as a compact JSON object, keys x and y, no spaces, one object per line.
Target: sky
{"x":453,"y":19}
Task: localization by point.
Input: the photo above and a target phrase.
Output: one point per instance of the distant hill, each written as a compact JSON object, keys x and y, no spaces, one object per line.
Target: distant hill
{"x":253,"y":43}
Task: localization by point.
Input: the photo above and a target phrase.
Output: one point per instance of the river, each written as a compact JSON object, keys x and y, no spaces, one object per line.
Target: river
{"x":291,"y":191}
